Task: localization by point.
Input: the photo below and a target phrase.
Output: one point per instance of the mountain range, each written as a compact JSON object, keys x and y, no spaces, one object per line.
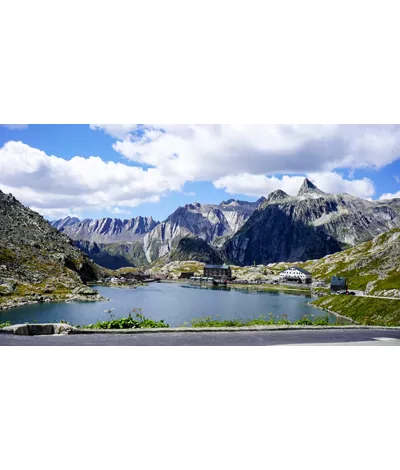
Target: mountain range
{"x":309,"y":226}
{"x":279,"y":228}
{"x":105,"y":230}
{"x":115,"y":243}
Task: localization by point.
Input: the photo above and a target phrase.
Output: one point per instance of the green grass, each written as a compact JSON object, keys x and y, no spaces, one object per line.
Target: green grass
{"x":363,"y":310}
{"x":392,"y":281}
{"x":209,"y":322}
{"x":3,"y":325}
{"x":6,"y":255}
{"x":129,"y":322}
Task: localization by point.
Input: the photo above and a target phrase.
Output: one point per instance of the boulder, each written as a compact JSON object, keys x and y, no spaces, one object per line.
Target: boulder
{"x":7,"y":288}
{"x":84,"y":290}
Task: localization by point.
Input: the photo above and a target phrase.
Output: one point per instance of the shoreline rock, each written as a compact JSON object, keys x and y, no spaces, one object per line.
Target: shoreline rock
{"x":37,"y":298}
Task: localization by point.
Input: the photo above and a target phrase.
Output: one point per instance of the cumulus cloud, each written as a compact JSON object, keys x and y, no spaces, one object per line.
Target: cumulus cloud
{"x":119,"y":131}
{"x":56,"y":214}
{"x":262,"y":185}
{"x":390,"y":196}
{"x":209,"y":152}
{"x":52,"y":184}
{"x":242,"y":159}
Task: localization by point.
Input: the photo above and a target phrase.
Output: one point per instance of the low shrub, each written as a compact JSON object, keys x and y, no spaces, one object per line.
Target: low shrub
{"x":129,"y":322}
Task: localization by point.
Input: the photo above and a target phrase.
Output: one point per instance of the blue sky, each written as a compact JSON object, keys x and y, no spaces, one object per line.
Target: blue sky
{"x":154,"y":168}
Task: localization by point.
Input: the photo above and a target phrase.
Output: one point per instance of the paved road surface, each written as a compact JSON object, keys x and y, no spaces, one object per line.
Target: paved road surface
{"x":262,"y":338}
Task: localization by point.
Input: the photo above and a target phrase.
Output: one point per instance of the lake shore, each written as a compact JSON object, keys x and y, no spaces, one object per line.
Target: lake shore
{"x":362,"y":310}
{"x":11,"y":302}
{"x":255,"y":287}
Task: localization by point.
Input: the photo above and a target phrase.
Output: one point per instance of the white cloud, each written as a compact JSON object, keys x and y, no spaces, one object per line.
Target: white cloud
{"x":52,"y":184}
{"x":118,"y":210}
{"x":259,"y":185}
{"x":119,"y":131}
{"x":210,"y":152}
{"x":56,"y":214}
{"x":245,"y":159}
{"x":262,"y":185}
{"x":390,"y":196}
{"x":397,"y":178}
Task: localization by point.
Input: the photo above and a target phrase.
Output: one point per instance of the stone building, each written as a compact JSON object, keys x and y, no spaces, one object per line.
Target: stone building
{"x":217,"y":271}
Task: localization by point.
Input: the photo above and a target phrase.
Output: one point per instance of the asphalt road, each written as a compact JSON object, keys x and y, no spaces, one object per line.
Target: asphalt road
{"x":241,"y":338}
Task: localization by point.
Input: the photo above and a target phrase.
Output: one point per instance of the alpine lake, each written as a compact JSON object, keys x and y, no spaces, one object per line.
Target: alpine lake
{"x":175,"y":303}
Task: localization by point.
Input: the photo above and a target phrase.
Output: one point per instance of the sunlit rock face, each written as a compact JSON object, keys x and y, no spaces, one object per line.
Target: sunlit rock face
{"x":212,"y":223}
{"x":106,"y":230}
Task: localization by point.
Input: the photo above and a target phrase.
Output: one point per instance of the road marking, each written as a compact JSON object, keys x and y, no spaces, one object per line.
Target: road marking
{"x":386,"y":339}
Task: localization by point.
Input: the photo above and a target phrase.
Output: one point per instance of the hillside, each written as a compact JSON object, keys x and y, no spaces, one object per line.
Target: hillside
{"x":194,"y":249}
{"x":174,"y":269}
{"x":36,"y":259}
{"x":114,"y":255}
{"x":308,"y":226}
{"x":363,"y":310}
{"x":373,"y":267}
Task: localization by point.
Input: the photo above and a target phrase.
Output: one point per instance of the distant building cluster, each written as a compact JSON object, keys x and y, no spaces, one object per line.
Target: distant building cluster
{"x":222,"y":274}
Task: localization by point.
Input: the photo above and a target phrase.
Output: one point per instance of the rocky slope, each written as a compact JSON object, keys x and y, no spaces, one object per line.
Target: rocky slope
{"x":309,"y":226}
{"x":106,"y":230}
{"x":212,"y":223}
{"x":114,"y":255}
{"x":174,"y":269}
{"x":194,"y":249}
{"x":237,"y":212}
{"x":37,"y":262}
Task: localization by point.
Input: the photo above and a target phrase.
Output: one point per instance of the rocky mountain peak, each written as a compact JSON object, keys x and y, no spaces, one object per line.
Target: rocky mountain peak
{"x":308,"y":188}
{"x":228,"y":202}
{"x":277,"y":195}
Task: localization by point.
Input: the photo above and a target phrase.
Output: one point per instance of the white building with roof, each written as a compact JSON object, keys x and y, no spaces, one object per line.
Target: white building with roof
{"x":296,"y":274}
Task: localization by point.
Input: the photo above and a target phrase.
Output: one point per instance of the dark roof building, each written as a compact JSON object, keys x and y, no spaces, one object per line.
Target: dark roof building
{"x":215,"y":270}
{"x":338,"y":283}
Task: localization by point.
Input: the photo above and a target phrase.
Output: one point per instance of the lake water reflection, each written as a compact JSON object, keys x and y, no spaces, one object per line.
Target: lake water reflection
{"x":174,"y":303}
